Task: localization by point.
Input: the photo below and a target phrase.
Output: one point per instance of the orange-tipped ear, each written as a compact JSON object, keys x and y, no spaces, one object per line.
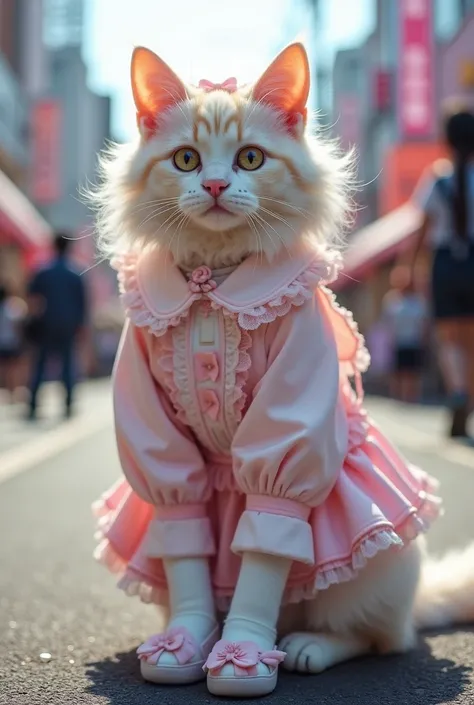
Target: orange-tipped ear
{"x":285,"y":84}
{"x":155,"y":86}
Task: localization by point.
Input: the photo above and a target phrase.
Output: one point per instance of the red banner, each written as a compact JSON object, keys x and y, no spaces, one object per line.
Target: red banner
{"x":416,"y":79}
{"x":46,"y":165}
{"x":383,"y":91}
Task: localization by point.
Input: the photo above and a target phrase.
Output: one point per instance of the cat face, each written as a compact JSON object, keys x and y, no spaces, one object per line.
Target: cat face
{"x":220,"y":172}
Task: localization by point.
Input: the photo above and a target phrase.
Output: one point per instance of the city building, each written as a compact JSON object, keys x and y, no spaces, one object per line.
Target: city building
{"x":24,"y":233}
{"x":64,"y":23}
{"x":52,"y":125}
{"x":79,"y":124}
{"x":388,"y":95}
{"x":71,"y":125}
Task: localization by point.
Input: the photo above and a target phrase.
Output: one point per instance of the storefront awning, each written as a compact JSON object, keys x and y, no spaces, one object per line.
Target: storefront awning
{"x":379,"y":242}
{"x":19,"y":219}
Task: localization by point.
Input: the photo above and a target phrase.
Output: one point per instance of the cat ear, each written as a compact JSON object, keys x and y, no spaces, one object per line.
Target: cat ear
{"x":285,"y":84}
{"x":155,"y":88}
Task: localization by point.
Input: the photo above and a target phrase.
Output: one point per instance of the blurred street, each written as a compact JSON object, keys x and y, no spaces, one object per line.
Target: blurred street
{"x":54,"y":599}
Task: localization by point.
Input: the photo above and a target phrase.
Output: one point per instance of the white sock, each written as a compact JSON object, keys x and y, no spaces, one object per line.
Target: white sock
{"x":256,"y":603}
{"x":191,"y":599}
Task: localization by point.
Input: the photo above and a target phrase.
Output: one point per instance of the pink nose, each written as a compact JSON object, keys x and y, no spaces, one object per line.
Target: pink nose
{"x":215,"y":186}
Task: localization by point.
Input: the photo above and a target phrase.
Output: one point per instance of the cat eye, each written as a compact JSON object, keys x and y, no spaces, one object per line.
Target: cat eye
{"x":186,"y":159}
{"x":250,"y":158}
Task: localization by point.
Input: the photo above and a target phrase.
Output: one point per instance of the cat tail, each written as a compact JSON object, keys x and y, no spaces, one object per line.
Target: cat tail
{"x":445,"y":593}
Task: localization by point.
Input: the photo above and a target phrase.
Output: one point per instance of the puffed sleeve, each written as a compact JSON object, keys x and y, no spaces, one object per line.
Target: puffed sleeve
{"x":158,"y":456}
{"x":291,"y":444}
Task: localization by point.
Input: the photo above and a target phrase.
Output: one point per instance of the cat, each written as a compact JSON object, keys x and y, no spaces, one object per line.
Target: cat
{"x":277,"y":184}
{"x":303,"y":190}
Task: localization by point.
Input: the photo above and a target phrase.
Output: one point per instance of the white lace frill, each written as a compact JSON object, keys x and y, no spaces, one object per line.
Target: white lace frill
{"x":133,"y":302}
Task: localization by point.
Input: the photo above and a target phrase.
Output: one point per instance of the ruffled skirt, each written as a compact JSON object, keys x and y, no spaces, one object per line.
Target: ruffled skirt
{"x":379,"y":502}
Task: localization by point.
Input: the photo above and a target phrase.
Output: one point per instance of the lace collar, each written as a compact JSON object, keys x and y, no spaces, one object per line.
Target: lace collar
{"x":157,"y":295}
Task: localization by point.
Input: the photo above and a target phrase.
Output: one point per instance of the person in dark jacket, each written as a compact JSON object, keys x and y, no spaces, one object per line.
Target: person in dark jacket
{"x":58,"y":300}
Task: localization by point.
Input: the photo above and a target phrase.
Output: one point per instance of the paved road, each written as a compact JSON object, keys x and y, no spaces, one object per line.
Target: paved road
{"x":54,"y":599}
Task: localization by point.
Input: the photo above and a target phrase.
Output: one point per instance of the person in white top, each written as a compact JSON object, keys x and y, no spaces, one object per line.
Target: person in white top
{"x":447,"y":202}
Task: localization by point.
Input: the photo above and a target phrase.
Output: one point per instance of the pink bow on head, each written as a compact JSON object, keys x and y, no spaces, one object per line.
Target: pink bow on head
{"x":229,"y":85}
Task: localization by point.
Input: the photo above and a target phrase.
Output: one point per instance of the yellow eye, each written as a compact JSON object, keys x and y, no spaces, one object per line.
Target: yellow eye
{"x":250,"y":158}
{"x":186,"y":159}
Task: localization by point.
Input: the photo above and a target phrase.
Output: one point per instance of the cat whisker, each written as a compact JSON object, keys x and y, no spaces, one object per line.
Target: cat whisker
{"x":303,"y":211}
{"x":253,"y":227}
{"x":180,"y":230}
{"x":278,"y":217}
{"x":172,"y":220}
{"x":176,"y":98}
{"x":256,"y":225}
{"x":264,"y":221}
{"x":170,"y":242}
{"x":152,"y":204}
{"x":156,"y":213}
{"x":171,"y":217}
{"x":93,"y":266}
{"x":259,"y":102}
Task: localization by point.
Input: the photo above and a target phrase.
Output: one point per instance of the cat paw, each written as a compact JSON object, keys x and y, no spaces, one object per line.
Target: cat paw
{"x":314,"y":653}
{"x":305,"y":653}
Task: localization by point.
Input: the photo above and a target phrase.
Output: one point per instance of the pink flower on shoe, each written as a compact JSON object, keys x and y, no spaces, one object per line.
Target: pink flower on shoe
{"x":243,"y":655}
{"x":177,"y":641}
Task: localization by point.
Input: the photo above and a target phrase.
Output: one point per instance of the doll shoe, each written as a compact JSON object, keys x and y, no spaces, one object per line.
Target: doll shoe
{"x":190,"y":656}
{"x":246,"y":681}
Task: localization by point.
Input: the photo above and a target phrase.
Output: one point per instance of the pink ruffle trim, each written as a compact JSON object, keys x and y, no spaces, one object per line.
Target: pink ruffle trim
{"x":241,"y":373}
{"x":295,"y":294}
{"x":324,"y":269}
{"x":166,"y":363}
{"x":132,"y":299}
{"x":361,"y":363}
{"x":135,"y":584}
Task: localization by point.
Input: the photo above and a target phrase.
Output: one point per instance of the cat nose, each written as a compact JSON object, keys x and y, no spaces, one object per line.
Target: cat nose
{"x":215,"y":186}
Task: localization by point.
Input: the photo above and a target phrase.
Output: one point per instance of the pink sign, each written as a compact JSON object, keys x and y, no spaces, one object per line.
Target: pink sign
{"x":46,"y":167}
{"x":349,"y":117}
{"x":416,"y":76}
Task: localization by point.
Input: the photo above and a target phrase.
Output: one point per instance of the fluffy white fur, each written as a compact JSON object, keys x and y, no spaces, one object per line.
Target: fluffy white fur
{"x":271,"y":208}
{"x":304,"y":192}
{"x":396,"y":594}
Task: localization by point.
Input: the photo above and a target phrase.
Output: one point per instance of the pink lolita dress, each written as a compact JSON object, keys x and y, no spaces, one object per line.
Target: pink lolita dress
{"x":238,"y":430}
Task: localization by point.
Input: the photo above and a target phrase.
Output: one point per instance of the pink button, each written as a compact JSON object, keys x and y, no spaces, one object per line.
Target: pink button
{"x":209,"y":402}
{"x":207,"y":367}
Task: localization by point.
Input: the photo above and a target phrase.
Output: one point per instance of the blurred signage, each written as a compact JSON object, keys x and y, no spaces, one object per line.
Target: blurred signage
{"x":416,"y":80}
{"x":45,"y":139}
{"x":403,"y":167}
{"x":348,"y":110}
{"x":467,"y":74}
{"x":383,"y":91}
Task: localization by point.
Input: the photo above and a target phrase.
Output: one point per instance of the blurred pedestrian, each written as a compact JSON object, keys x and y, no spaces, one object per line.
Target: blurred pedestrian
{"x":58,"y":314}
{"x":12,"y":312}
{"x":405,"y":314}
{"x":448,"y":206}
